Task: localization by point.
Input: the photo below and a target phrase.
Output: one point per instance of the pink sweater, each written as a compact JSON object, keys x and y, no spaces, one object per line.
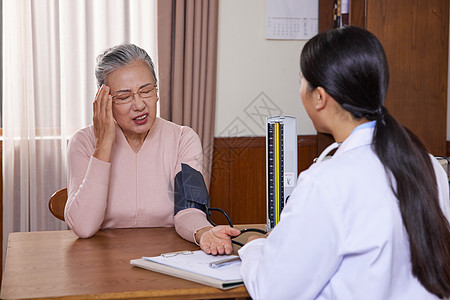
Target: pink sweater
{"x":135,"y":189}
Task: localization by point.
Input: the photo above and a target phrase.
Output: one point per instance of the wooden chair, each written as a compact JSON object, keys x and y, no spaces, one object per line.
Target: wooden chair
{"x":57,"y":203}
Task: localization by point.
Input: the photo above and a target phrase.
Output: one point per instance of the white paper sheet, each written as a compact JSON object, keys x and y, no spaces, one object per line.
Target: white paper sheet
{"x":292,"y":19}
{"x":198,"y":262}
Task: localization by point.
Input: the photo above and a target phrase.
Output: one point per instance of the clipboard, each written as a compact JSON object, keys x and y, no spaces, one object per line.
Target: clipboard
{"x":194,"y":267}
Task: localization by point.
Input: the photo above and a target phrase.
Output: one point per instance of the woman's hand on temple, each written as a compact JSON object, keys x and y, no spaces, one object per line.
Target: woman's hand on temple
{"x":104,"y":124}
{"x":217,"y":240}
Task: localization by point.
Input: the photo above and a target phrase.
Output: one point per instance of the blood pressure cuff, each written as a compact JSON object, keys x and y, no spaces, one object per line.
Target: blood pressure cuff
{"x":190,"y":190}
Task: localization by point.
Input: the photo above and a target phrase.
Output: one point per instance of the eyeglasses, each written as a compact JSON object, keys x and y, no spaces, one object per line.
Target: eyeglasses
{"x":149,"y":91}
{"x":171,"y":254}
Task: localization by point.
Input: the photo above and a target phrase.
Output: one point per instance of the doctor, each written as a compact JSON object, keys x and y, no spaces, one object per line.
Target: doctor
{"x":370,"y":223}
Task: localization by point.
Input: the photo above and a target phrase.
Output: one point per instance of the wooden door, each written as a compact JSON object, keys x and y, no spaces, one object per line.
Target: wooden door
{"x":414,"y":34}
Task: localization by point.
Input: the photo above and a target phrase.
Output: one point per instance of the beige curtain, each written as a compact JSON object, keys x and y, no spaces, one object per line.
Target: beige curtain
{"x":49,"y":51}
{"x":187,"y":61}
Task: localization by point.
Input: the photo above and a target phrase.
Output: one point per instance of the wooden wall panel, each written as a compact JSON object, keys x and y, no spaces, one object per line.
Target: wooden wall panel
{"x":220,"y":183}
{"x":248,"y":181}
{"x":307,"y":151}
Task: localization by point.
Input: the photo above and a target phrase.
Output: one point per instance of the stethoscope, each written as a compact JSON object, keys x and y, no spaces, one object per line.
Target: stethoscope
{"x":326,"y":152}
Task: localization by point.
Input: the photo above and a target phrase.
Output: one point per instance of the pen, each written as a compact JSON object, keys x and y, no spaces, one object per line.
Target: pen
{"x":224,"y":262}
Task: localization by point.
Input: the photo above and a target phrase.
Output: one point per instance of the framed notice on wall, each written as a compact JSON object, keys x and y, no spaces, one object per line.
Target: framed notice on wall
{"x":292,"y":19}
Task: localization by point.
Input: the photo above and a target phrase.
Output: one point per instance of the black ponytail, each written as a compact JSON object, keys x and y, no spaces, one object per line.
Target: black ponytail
{"x":350,"y":64}
{"x":406,"y":158}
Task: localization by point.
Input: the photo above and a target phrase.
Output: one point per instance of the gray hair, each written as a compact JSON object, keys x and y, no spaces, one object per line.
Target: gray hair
{"x":118,"y":56}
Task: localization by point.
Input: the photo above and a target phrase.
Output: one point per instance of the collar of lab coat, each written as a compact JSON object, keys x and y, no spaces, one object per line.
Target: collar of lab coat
{"x":358,"y":138}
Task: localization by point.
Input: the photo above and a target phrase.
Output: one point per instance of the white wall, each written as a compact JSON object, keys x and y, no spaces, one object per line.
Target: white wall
{"x":249,"y":65}
{"x":254,"y":74}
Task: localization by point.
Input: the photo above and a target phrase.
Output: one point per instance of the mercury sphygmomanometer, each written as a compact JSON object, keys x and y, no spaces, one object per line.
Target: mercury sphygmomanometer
{"x":281,"y":165}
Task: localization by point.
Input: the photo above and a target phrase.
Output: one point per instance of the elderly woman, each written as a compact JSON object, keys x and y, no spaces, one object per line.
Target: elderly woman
{"x":121,"y":169}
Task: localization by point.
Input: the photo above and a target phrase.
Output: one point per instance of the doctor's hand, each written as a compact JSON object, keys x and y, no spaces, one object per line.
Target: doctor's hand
{"x":216,"y":240}
{"x":104,"y":124}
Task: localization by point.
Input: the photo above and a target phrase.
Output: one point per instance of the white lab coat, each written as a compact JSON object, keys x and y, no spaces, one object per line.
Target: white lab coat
{"x":340,"y":236}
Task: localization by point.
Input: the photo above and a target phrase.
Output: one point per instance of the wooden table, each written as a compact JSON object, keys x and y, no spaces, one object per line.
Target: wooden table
{"x":50,"y":264}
